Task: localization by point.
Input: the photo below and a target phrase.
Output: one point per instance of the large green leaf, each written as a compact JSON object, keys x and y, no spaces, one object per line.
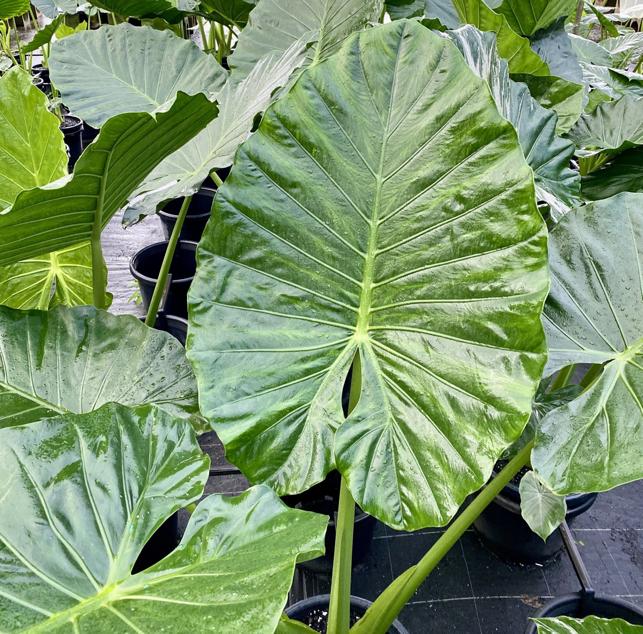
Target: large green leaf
{"x":32,"y":152}
{"x":171,"y":11}
{"x":548,"y":155}
{"x":275,"y":25}
{"x":612,"y":81}
{"x":53,"y":8}
{"x":626,"y":50}
{"x":564,"y":97}
{"x":511,"y":46}
{"x":334,"y":237}
{"x":12,"y":8}
{"x":614,"y":126}
{"x":399,"y":9}
{"x":76,"y":359}
{"x":542,"y":509}
{"x":623,"y":174}
{"x":444,"y":11}
{"x":554,"y":46}
{"x":124,"y":68}
{"x":528,"y":16}
{"x":590,"y":52}
{"x":91,"y":489}
{"x":589,"y":625}
{"x":125,"y":152}
{"x":594,"y":314}
{"x":183,"y":172}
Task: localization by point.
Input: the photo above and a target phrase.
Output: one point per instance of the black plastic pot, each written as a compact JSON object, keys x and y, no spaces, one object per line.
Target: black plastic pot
{"x":89,"y":134}
{"x":196,"y":218}
{"x":176,"y":326}
{"x":162,"y":543}
{"x":39,"y":83}
{"x":323,"y":498}
{"x":222,"y":173}
{"x":72,"y":129}
{"x":506,"y":533}
{"x":314,"y":612}
{"x":145,"y":266}
{"x":41,"y":71}
{"x":579,"y":605}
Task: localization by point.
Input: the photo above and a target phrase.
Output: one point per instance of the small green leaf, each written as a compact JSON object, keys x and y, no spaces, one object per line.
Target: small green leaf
{"x":288,"y":626}
{"x":541,"y":508}
{"x":528,"y":16}
{"x":44,"y":36}
{"x":118,"y":69}
{"x":594,"y":314}
{"x":97,"y":486}
{"x":399,"y":9}
{"x":229,"y":12}
{"x":128,"y":148}
{"x":589,"y":625}
{"x":77,"y":359}
{"x":605,"y":22}
{"x":172,"y":12}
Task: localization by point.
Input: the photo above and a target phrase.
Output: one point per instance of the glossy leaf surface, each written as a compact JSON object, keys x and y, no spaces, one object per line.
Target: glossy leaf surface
{"x":541,"y":508}
{"x":125,"y":68}
{"x":172,"y":11}
{"x":547,"y":154}
{"x":589,"y":625}
{"x":127,"y":149}
{"x":97,"y":486}
{"x":334,"y":237}
{"x":229,"y":12}
{"x":511,"y":46}
{"x":528,"y":16}
{"x":77,"y":359}
{"x":32,"y":153}
{"x":183,"y":172}
{"x":12,"y":8}
{"x":399,"y":9}
{"x":594,"y":314}
{"x":275,"y":25}
{"x":623,"y":174}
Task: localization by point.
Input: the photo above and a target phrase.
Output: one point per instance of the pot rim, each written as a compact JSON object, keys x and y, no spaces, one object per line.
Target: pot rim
{"x":152,"y":280}
{"x":208,"y":192}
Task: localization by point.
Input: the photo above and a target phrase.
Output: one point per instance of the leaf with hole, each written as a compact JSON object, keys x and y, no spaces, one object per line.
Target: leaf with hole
{"x":97,"y":486}
{"x":594,"y":314}
{"x":333,"y":238}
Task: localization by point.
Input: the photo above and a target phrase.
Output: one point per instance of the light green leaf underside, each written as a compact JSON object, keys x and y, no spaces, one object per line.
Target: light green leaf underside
{"x":626,"y":50}
{"x":511,"y":46}
{"x":594,"y":314}
{"x":125,"y":68}
{"x":127,"y":149}
{"x":77,"y":359}
{"x":183,"y":172}
{"x":612,"y":81}
{"x":623,"y":174}
{"x":32,"y":153}
{"x":547,"y":155}
{"x":332,"y":237}
{"x":589,"y":625}
{"x":12,"y":8}
{"x":274,"y":25}
{"x":52,"y":8}
{"x":528,"y":16}
{"x":541,"y":508}
{"x":97,"y":486}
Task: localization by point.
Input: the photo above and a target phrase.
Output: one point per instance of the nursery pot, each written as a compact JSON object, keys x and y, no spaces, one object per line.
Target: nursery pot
{"x":506,"y":533}
{"x":164,"y":540}
{"x":579,"y":605}
{"x":324,"y":498}
{"x":72,"y":129}
{"x":41,"y":71}
{"x":145,"y":266}
{"x":176,"y":326}
{"x":39,"y":83}
{"x":89,"y":134}
{"x":314,"y":613}
{"x":197,"y":215}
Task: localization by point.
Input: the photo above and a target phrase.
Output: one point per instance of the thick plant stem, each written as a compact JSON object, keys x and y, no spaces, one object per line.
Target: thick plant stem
{"x":159,"y":288}
{"x":579,"y":15}
{"x":99,"y":278}
{"x":340,"y":590}
{"x":388,"y":605}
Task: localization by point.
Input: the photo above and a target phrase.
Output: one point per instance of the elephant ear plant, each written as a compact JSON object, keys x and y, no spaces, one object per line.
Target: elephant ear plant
{"x":382,"y":219}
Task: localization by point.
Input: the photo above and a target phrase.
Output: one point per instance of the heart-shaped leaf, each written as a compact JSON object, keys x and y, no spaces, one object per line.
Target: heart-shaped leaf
{"x":541,"y":508}
{"x":183,"y":172}
{"x":32,"y":153}
{"x":93,"y":488}
{"x":77,"y":359}
{"x":124,"y":68}
{"x":275,"y":25}
{"x":127,"y":149}
{"x":594,"y":314}
{"x":589,"y":625}
{"x":334,"y":237}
